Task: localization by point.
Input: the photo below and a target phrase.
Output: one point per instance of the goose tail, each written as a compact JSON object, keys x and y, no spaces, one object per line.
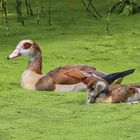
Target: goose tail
{"x":110,"y":78}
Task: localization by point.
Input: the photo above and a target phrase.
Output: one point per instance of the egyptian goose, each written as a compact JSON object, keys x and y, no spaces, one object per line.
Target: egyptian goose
{"x":100,"y":92}
{"x":66,"y":79}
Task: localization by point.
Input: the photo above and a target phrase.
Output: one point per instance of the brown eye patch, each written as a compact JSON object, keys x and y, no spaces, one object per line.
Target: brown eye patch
{"x":27,"y":45}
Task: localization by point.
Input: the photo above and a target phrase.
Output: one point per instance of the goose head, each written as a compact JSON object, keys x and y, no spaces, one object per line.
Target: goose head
{"x":96,"y":87}
{"x":26,"y":48}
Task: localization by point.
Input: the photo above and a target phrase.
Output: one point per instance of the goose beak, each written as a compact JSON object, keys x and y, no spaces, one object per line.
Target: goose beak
{"x":14,"y":54}
{"x":91,"y":97}
{"x":90,"y":100}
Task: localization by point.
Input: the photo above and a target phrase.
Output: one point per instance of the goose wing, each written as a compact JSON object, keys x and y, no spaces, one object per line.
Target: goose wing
{"x":69,"y":76}
{"x":83,"y":67}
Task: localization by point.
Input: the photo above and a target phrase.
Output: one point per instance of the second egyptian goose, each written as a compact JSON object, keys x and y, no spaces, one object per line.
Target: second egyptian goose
{"x":100,"y":92}
{"x":66,"y":79}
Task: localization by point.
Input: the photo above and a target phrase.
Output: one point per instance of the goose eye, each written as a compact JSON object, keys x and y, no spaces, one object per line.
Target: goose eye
{"x":92,"y":88}
{"x":27,"y":45}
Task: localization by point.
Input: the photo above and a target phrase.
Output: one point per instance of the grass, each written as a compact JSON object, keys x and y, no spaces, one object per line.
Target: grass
{"x":75,"y":37}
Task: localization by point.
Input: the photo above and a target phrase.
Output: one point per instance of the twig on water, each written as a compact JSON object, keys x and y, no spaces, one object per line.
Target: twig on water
{"x":4,"y":5}
{"x":108,"y":20}
{"x":37,"y":11}
{"x":87,"y":8}
{"x":49,"y":13}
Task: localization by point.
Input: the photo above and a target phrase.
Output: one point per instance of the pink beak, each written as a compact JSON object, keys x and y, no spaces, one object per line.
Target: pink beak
{"x":14,"y":54}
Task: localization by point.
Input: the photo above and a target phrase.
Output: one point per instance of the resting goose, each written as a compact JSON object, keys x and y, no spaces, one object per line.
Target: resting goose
{"x":66,"y":79}
{"x":100,"y":92}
